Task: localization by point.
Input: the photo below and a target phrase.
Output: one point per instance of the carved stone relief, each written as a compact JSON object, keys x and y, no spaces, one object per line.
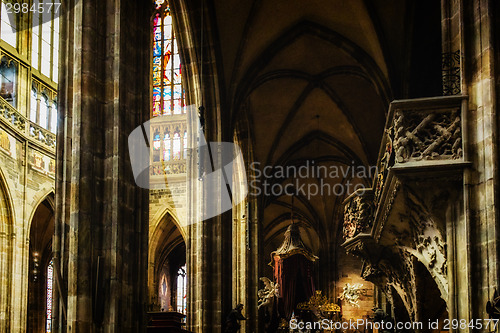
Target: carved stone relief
{"x":424,"y":135}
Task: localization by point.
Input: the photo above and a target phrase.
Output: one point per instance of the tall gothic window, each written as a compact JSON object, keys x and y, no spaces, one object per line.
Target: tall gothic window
{"x":8,"y":26}
{"x":43,"y":108}
{"x":50,"y":280}
{"x":156,"y":141}
{"x":167,"y":142}
{"x":181,"y":290}
{"x":45,"y":39}
{"x":8,"y":80}
{"x":168,"y":95}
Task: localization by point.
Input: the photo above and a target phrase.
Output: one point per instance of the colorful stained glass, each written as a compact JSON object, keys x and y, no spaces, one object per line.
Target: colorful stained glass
{"x":167,"y":50}
{"x":167,"y":73}
{"x":156,"y":109}
{"x":157,"y":33}
{"x":50,"y":280}
{"x":159,"y":3}
{"x":156,"y":94}
{"x":156,"y":49}
{"x":157,"y":141}
{"x":157,"y":20}
{"x":157,"y":78}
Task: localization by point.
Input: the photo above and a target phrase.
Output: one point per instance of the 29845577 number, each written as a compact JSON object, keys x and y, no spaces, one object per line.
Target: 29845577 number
{"x":477,"y":324}
{"x":35,"y":8}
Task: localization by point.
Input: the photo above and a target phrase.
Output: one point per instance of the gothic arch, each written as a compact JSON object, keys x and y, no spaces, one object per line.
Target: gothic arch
{"x":166,"y":236}
{"x":48,"y":196}
{"x":41,"y":232}
{"x":159,"y":216}
{"x":6,"y":252}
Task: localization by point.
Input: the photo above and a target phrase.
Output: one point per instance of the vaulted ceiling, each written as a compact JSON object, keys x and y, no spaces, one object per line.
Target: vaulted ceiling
{"x":311,"y":81}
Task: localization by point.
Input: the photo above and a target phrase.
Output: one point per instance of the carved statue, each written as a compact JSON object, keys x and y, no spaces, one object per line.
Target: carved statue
{"x":351,"y":293}
{"x":357,"y":217}
{"x":266,"y":295}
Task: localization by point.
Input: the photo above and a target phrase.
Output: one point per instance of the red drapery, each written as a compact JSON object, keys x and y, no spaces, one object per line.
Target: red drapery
{"x":295,"y":279}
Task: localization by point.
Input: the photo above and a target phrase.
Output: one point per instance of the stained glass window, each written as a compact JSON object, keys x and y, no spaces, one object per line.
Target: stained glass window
{"x":177,"y":146}
{"x":50,"y":280}
{"x":167,"y":143}
{"x":156,"y":141}
{"x":182,"y":290}
{"x":168,"y":95}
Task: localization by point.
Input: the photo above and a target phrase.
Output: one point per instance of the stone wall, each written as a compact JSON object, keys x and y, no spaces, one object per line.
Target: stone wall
{"x":26,"y":180}
{"x":349,"y":268}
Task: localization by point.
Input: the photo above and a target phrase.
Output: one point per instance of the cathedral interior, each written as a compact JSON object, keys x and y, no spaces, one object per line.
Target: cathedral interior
{"x":249,"y":166}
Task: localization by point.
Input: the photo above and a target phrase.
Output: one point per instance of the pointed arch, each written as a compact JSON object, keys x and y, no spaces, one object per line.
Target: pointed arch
{"x":48,"y":196}
{"x":166,"y":236}
{"x":6,"y":255}
{"x":40,"y":228}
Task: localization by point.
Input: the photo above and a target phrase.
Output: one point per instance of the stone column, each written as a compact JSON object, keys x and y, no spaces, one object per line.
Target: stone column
{"x":482,"y":179}
{"x":209,"y":242}
{"x":473,"y":245}
{"x":101,"y":215}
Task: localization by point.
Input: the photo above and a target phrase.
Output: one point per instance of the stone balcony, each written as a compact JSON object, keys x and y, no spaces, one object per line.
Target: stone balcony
{"x":20,"y":125}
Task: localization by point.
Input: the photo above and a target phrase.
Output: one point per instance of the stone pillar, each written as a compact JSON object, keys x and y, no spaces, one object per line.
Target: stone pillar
{"x":245,"y":238}
{"x":482,"y":179}
{"x":209,"y":242}
{"x":101,"y":233}
{"x":473,"y":245}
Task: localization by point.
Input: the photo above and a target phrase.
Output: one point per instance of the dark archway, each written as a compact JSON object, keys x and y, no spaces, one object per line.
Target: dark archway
{"x":430,"y":306}
{"x":167,"y":257}
{"x":171,"y":277}
{"x":40,"y":257}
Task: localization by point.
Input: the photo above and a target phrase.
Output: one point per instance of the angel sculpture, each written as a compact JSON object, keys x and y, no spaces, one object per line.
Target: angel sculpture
{"x":266,"y":295}
{"x":351,"y":293}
